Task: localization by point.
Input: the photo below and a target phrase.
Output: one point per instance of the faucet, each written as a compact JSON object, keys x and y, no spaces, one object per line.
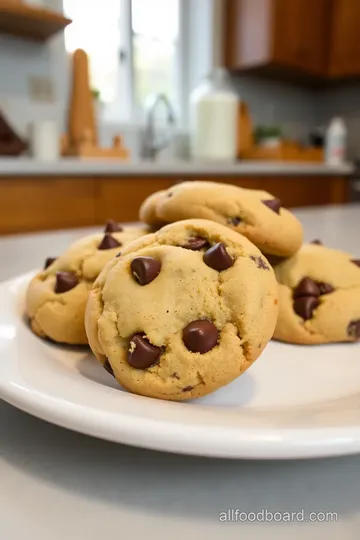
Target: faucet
{"x":152,"y":144}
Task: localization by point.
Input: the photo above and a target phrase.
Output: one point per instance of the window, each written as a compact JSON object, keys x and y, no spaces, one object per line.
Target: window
{"x":135,"y":49}
{"x":155,"y":36}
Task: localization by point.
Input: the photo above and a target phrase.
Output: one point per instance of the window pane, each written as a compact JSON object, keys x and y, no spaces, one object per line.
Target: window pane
{"x":155,"y":27}
{"x":95,"y":29}
{"x":156,"y":18}
{"x":154,"y":66}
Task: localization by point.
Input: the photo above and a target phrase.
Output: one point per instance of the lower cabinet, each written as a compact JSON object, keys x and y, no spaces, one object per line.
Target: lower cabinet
{"x":44,"y":203}
{"x":120,"y":198}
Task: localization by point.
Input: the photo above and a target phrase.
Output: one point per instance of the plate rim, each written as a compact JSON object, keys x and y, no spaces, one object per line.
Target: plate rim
{"x":229,"y":442}
{"x":254,"y":443}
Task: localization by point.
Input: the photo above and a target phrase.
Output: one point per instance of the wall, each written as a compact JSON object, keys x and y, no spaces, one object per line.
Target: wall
{"x":291,"y":107}
{"x":20,"y":59}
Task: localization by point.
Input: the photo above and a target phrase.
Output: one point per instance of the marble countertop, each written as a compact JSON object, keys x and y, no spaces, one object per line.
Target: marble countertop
{"x":56,"y":484}
{"x":76,"y":167}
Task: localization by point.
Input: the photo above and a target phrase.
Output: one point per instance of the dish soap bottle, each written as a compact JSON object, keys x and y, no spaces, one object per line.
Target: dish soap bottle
{"x":213,"y":119}
{"x":335,"y":142}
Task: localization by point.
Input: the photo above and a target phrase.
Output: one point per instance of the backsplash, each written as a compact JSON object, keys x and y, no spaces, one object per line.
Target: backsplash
{"x":289,"y":106}
{"x":20,"y":60}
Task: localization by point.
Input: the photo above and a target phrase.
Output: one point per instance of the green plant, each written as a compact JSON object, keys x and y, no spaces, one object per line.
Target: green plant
{"x":262,"y":133}
{"x":95,"y":93}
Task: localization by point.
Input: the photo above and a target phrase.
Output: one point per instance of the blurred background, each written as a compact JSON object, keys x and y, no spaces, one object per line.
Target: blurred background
{"x":104,"y":102}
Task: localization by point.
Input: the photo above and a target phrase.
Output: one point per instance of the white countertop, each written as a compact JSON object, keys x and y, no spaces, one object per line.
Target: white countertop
{"x":76,"y":167}
{"x":57,"y":485}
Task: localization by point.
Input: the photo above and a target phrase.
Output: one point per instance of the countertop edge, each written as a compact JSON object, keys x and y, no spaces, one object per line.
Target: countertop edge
{"x":72,"y":167}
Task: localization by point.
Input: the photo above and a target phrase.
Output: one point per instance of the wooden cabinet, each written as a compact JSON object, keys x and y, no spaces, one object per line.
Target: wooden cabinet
{"x":38,"y":204}
{"x":300,"y":30}
{"x":344,"y":58}
{"x":30,"y":22}
{"x":277,"y":34}
{"x":120,"y":198}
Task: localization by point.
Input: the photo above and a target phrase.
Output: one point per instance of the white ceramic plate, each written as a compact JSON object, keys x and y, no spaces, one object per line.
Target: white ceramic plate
{"x":293,"y":402}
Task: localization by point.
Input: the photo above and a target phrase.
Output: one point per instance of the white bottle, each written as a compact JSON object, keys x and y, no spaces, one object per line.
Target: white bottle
{"x":214,"y":119}
{"x":335,"y":142}
{"x":45,"y":140}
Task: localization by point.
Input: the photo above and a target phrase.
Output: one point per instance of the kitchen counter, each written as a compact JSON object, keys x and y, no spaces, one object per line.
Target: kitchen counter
{"x":76,"y":193}
{"x":56,"y":484}
{"x":106,"y":167}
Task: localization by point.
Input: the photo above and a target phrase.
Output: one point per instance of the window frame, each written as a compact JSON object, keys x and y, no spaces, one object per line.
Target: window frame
{"x":124,"y":108}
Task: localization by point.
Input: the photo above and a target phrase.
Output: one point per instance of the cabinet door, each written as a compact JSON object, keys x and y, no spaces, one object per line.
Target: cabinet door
{"x":285,"y":34}
{"x":45,"y":203}
{"x":344,"y":39}
{"x":300,"y":32}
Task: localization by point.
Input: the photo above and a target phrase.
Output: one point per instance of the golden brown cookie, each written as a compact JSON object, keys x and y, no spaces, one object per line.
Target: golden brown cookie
{"x":147,"y":213}
{"x":183,"y":311}
{"x":56,"y":296}
{"x":255,"y":214}
{"x":319,"y":291}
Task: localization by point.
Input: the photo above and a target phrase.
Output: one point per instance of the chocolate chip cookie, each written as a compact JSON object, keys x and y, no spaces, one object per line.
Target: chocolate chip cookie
{"x":319,"y":292}
{"x":57,"y":296}
{"x":183,"y":311}
{"x":255,"y":214}
{"x":147,"y":213}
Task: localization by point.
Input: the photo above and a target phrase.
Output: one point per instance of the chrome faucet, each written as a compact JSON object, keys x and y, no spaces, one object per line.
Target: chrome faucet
{"x":152,"y":144}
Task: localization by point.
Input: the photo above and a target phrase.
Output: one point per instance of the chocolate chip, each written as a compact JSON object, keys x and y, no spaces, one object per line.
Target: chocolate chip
{"x":112,"y":226}
{"x":200,"y":336}
{"x":108,"y":368}
{"x":305,"y":305}
{"x":49,"y":261}
{"x":356,"y":261}
{"x":317,"y":242}
{"x":260,"y":263}
{"x":196,"y":243}
{"x":218,"y":258}
{"x":145,"y":269}
{"x":65,"y":281}
{"x":273,"y":204}
{"x":142,"y":354}
{"x":175,"y":375}
{"x":353,"y":329}
{"x":234,"y":220}
{"x":274,"y":260}
{"x":306,"y":287}
{"x":187,"y":388}
{"x":325,"y":288}
{"x":118,"y":255}
{"x":108,"y":242}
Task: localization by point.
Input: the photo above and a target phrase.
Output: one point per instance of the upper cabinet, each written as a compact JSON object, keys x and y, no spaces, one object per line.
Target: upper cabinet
{"x":344,"y":60}
{"x":299,"y":34}
{"x":317,"y":39}
{"x":277,"y":35}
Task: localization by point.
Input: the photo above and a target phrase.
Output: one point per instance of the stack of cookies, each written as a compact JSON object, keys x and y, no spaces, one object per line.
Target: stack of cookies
{"x":180,"y":312}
